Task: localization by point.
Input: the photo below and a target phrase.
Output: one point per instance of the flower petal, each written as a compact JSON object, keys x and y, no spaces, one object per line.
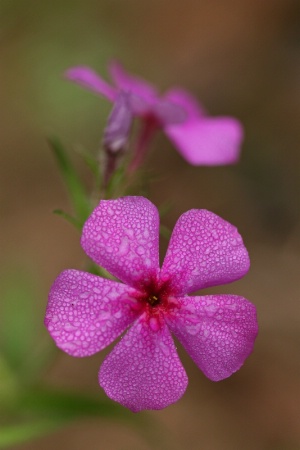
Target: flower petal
{"x":122,"y":236}
{"x":168,"y":113}
{"x":208,"y":141}
{"x":126,"y":82}
{"x":217,"y":331}
{"x":85,"y":313}
{"x":138,"y":105}
{"x":204,"y":250}
{"x":144,"y":371}
{"x":89,"y":79}
{"x":186,"y":101}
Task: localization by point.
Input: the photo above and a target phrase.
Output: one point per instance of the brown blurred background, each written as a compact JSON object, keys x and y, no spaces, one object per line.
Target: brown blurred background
{"x":240,"y":58}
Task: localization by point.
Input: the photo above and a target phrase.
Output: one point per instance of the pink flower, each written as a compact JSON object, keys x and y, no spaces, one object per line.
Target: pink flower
{"x":86,"y":313}
{"x":200,"y":139}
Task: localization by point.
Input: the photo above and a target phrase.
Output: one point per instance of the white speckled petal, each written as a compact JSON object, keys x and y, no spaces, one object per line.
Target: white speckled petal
{"x":122,"y":236}
{"x":217,"y":331}
{"x":144,"y":371}
{"x":204,"y":251}
{"x":85,"y":313}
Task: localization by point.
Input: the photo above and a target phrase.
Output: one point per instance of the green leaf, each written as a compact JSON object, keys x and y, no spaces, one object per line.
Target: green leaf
{"x":68,"y":217}
{"x":100,"y":271}
{"x":91,"y":162}
{"x":76,"y":189}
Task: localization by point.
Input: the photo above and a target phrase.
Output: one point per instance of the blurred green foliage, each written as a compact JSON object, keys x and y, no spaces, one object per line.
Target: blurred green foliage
{"x":28,"y":406}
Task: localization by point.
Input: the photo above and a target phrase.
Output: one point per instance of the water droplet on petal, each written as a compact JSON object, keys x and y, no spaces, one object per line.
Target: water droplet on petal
{"x":69,"y":327}
{"x":193,"y":329}
{"x":164,"y":348}
{"x":154,"y":324}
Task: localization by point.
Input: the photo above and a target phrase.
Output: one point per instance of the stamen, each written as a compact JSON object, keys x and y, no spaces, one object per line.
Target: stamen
{"x":153,"y":300}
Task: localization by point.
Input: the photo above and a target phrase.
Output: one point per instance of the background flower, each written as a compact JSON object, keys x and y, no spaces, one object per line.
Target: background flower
{"x":200,"y":139}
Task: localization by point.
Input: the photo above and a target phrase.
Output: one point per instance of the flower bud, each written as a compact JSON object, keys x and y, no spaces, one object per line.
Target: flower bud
{"x":118,"y":125}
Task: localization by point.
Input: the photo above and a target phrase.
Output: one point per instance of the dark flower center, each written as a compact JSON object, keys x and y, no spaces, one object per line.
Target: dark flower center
{"x":153,"y":300}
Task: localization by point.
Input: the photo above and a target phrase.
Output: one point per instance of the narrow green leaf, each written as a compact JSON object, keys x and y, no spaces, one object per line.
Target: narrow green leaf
{"x":68,"y":217}
{"x":98,"y":270}
{"x":74,"y":185}
{"x":91,"y":162}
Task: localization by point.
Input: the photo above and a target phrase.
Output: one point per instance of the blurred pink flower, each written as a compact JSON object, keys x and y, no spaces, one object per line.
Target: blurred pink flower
{"x":85,"y":312}
{"x":201,"y":140}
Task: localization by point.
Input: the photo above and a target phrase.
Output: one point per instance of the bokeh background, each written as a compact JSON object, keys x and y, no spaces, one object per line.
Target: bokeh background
{"x":241,"y":58}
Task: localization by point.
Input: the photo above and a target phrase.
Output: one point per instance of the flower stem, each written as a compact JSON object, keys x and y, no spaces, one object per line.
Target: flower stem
{"x":148,"y":129}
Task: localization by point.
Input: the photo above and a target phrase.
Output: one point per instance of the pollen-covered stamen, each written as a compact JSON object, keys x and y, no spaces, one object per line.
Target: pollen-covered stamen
{"x":153,"y":300}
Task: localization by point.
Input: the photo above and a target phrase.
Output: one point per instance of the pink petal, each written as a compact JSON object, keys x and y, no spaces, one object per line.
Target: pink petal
{"x":138,"y":105}
{"x":89,"y":79}
{"x":168,"y":113}
{"x":218,"y":332}
{"x":164,"y":111}
{"x":85,"y":313}
{"x":122,"y":236}
{"x":208,"y":141}
{"x":204,"y":250}
{"x":144,"y":371}
{"x":186,"y":101}
{"x":126,"y":82}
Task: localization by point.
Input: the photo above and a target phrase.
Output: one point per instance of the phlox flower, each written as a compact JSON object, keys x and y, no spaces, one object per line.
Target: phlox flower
{"x":86,"y":312}
{"x":200,"y":139}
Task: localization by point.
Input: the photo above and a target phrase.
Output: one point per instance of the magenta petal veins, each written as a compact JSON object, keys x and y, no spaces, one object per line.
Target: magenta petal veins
{"x":143,"y":371}
{"x":217,"y":331}
{"x":85,"y":313}
{"x":204,"y":251}
{"x":122,"y":236}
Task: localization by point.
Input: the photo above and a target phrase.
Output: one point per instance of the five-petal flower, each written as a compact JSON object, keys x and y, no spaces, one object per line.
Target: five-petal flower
{"x":200,"y":139}
{"x":85,"y":312}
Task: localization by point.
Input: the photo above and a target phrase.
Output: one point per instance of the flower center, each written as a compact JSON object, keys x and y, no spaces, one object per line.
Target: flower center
{"x":153,"y":300}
